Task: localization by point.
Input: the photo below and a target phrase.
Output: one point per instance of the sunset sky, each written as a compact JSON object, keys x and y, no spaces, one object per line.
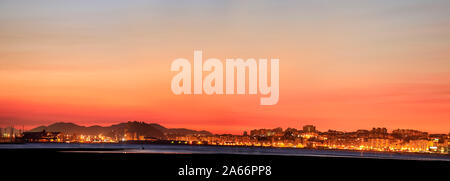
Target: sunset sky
{"x":344,"y":65}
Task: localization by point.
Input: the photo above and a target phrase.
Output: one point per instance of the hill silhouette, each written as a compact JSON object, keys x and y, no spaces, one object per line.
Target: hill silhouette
{"x":134,"y":127}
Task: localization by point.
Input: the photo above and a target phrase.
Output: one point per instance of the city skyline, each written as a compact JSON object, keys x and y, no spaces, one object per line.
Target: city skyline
{"x":307,"y":136}
{"x":344,"y":65}
{"x":300,"y":126}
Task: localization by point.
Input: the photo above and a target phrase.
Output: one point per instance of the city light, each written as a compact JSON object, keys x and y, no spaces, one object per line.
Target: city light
{"x":377,"y":139}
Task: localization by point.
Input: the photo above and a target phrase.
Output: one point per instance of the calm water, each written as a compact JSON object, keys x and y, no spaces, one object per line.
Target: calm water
{"x":188,"y":149}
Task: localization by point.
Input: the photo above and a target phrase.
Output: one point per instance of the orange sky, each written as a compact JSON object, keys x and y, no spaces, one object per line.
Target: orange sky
{"x":343,"y":65}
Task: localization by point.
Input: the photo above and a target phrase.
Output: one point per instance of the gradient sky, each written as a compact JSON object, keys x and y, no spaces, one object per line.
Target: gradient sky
{"x":344,"y":65}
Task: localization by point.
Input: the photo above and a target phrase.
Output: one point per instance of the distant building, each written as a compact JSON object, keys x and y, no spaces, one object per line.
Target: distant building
{"x":309,"y":129}
{"x":42,"y":136}
{"x":266,"y":132}
{"x":362,"y":133}
{"x":378,"y":133}
{"x":409,"y":134}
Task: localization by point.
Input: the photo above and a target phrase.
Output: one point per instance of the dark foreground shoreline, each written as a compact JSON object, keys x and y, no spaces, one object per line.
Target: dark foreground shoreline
{"x":104,"y":164}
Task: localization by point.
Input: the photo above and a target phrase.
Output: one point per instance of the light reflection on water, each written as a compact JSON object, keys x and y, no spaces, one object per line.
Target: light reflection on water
{"x":188,"y":149}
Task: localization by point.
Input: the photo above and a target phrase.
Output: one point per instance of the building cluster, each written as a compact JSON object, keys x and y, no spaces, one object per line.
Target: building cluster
{"x":9,"y":134}
{"x":377,"y":139}
{"x":51,"y":137}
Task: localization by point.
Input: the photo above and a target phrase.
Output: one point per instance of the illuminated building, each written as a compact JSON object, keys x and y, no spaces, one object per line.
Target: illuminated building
{"x":42,"y":136}
{"x":309,"y":129}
